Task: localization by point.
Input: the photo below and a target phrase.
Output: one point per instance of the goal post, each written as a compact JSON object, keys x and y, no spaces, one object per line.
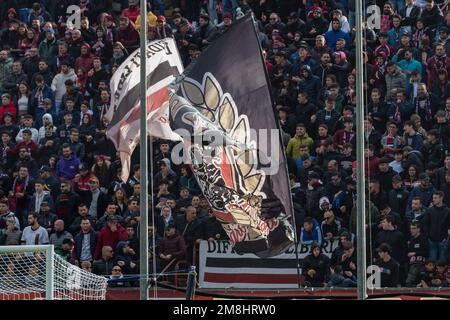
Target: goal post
{"x":36,"y":272}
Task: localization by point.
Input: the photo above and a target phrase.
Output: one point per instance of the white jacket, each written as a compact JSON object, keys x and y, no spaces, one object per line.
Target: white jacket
{"x":58,"y":85}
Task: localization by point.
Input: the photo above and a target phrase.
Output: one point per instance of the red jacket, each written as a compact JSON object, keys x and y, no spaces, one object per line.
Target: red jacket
{"x":9,"y":108}
{"x":132,"y":13}
{"x":108,"y":238}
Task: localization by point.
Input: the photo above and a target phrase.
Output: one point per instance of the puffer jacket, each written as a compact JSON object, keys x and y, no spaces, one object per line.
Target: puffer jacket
{"x":58,"y":85}
{"x":394,"y":80}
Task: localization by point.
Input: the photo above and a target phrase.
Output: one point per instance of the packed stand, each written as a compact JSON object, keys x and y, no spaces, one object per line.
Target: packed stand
{"x":60,"y":176}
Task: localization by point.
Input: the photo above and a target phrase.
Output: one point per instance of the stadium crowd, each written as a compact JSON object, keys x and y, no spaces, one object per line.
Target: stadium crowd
{"x":60,"y":176}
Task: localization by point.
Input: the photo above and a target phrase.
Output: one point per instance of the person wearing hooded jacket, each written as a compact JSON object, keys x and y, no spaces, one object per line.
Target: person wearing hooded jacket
{"x":309,"y":83}
{"x":336,"y":33}
{"x":315,"y":267}
{"x":341,"y":67}
{"x":86,"y":59}
{"x":58,"y":84}
{"x":125,"y":257}
{"x":47,"y":119}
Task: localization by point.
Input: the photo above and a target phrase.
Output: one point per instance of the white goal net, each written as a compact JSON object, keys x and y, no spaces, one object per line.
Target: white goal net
{"x":36,"y":272}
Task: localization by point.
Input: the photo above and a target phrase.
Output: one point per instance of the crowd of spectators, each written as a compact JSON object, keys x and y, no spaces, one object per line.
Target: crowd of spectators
{"x":60,"y":176}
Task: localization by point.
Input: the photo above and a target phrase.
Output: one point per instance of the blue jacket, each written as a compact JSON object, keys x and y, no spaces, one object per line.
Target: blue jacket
{"x":425,"y":195}
{"x":315,"y":235}
{"x":394,"y":37}
{"x":411,"y":65}
{"x":332,"y":36}
{"x":67,"y":169}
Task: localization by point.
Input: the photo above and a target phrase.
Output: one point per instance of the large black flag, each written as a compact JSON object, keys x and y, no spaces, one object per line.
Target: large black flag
{"x":224,"y":99}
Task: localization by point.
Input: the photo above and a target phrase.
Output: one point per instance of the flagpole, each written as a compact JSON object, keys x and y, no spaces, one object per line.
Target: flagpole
{"x":360,"y":181}
{"x":143,"y":234}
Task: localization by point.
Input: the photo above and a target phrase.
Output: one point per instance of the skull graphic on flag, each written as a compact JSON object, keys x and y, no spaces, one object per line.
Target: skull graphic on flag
{"x":224,"y":159}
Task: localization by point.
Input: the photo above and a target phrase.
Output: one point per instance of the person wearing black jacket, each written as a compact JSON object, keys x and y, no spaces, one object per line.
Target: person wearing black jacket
{"x":393,"y":237}
{"x":83,"y":210}
{"x":189,"y":226}
{"x":398,"y":196}
{"x":328,"y":115}
{"x":411,"y":18}
{"x":212,"y":229}
{"x":436,"y":225}
{"x":104,"y":265}
{"x":315,"y":267}
{"x":417,"y":252}
{"x":388,"y":267}
{"x":432,"y":149}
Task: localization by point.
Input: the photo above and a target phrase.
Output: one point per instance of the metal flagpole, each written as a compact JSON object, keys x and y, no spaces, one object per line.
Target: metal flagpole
{"x":143,"y":232}
{"x":360,"y":181}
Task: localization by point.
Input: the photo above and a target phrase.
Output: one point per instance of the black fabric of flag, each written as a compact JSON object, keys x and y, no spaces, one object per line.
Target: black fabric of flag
{"x":226,"y":91}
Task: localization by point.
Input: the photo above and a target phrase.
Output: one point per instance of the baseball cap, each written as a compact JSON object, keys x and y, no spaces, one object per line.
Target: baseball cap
{"x":424,"y":176}
{"x":50,"y":30}
{"x":45,"y":168}
{"x":112,"y":218}
{"x":228,"y":16}
{"x":313,"y":175}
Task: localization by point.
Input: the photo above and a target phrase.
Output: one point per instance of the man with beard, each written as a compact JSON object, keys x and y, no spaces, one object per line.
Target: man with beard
{"x":127,"y":34}
{"x":66,"y":203}
{"x":425,"y":105}
{"x":294,"y":24}
{"x":320,"y":48}
{"x":433,"y":150}
{"x":317,"y":25}
{"x":431,"y":15}
{"x":324,"y":68}
{"x":437,"y":62}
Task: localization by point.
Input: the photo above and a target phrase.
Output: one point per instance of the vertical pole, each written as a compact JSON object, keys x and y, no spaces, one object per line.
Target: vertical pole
{"x":143,"y":234}
{"x":190,"y":285}
{"x":360,"y":182}
{"x":49,"y":270}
